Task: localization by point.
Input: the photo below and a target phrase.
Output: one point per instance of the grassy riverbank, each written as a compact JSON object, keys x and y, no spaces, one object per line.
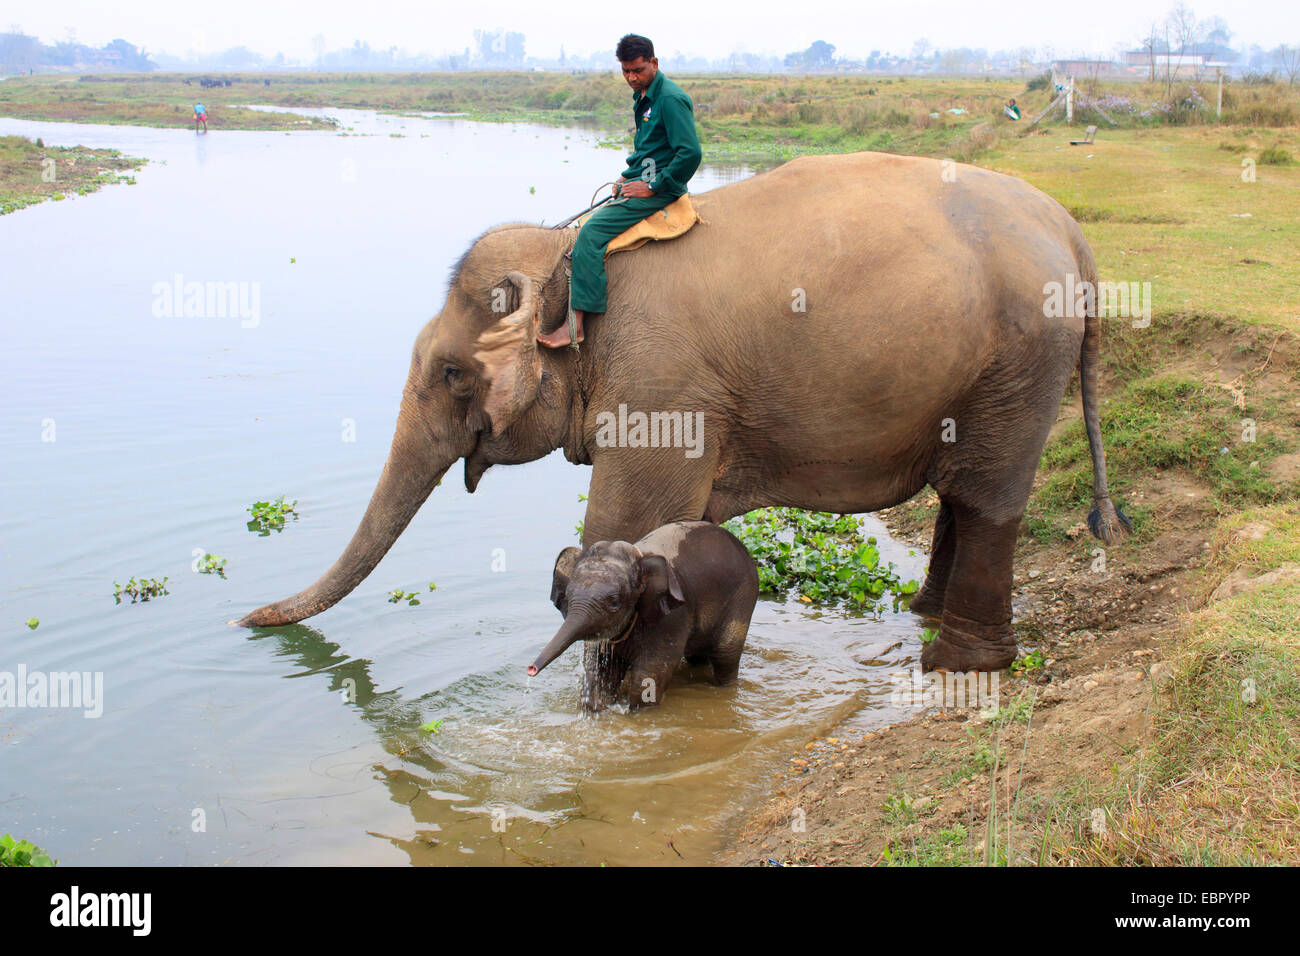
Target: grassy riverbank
{"x":31,"y":172}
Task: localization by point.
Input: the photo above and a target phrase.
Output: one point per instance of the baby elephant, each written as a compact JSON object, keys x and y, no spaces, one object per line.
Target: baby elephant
{"x":686,"y":589}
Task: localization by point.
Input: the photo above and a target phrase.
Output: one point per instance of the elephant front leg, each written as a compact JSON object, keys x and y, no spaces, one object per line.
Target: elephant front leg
{"x":646,"y":686}
{"x":655,"y":660}
{"x":635,"y":490}
{"x":603,"y":670}
{"x":975,"y":633}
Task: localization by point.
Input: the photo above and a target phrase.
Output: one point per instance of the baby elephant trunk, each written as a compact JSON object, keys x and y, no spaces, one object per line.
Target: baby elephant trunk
{"x":571,"y":631}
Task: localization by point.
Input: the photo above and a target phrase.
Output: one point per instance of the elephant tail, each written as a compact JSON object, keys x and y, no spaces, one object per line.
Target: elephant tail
{"x":1105,"y":520}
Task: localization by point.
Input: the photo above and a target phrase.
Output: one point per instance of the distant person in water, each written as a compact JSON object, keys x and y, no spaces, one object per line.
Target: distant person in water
{"x":200,"y":116}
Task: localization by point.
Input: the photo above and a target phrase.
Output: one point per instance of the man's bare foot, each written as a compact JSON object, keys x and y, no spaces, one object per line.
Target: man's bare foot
{"x":559,"y":338}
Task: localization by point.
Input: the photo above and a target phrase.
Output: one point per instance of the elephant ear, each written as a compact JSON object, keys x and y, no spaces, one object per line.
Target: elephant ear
{"x":661,"y":589}
{"x":508,"y":351}
{"x":564,"y":564}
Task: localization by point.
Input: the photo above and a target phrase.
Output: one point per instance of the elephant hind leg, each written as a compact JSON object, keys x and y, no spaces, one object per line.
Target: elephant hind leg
{"x":928,"y":601}
{"x":975,"y":633}
{"x":987,"y":475}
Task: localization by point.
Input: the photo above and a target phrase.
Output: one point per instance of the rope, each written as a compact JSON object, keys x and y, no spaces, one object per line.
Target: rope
{"x":611,"y":199}
{"x":628,"y":630}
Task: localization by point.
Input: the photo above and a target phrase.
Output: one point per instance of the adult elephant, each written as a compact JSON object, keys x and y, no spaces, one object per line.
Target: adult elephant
{"x":852,"y":328}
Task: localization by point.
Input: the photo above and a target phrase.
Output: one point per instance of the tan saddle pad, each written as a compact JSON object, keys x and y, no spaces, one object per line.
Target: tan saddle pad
{"x":672,"y":221}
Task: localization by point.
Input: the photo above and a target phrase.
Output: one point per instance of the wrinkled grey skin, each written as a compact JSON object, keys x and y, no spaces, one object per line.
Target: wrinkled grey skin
{"x":685,"y":590}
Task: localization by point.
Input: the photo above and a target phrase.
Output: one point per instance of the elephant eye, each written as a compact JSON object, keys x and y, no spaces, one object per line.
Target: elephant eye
{"x":451,"y":375}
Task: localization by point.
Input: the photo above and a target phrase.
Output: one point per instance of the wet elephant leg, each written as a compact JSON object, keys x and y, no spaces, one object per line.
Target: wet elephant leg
{"x":726,"y":654}
{"x":987,"y":475}
{"x":655,"y":662}
{"x":648,"y":683}
{"x":975,"y":633}
{"x":929,"y":600}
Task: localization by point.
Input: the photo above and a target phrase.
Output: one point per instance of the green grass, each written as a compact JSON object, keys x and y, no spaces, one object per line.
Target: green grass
{"x":1275,"y":156}
{"x":1155,"y":421}
{"x":1177,"y":208}
{"x":1164,"y":422}
{"x":948,"y":847}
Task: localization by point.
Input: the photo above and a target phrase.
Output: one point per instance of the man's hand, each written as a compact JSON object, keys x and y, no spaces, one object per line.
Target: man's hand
{"x":618,"y":184}
{"x":636,"y":189}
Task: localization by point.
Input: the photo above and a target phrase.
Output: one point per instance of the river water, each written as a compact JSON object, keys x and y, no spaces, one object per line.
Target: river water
{"x":133,"y":436}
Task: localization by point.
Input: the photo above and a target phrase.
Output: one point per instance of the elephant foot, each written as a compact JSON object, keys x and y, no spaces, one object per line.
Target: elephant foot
{"x":964,"y":645}
{"x":926,"y":603}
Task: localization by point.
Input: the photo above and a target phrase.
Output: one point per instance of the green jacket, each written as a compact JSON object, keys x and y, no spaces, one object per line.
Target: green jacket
{"x":665,"y":150}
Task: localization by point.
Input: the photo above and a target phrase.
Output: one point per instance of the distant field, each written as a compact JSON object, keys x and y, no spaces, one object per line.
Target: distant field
{"x":1192,"y":210}
{"x":763,"y":116}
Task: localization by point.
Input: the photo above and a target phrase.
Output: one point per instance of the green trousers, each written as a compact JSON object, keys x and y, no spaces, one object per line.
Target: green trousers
{"x":587,"y":286}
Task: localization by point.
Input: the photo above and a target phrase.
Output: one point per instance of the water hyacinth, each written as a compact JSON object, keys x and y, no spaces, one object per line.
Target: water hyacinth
{"x":819,"y":557}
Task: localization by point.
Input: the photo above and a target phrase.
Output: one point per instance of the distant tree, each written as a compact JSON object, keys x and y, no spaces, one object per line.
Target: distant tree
{"x":1288,"y":58}
{"x":1183,"y":34}
{"x":819,"y":56}
{"x":1217,"y":38}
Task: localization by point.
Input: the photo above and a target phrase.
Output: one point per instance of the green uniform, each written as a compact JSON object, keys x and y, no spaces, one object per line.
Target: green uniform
{"x":665,"y":154}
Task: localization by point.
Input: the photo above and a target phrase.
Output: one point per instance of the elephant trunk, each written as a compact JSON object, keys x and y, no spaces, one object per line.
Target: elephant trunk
{"x":406,"y":482}
{"x":571,"y":631}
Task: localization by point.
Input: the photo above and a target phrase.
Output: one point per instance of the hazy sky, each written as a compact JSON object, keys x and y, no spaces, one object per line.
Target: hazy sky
{"x":855,"y":26}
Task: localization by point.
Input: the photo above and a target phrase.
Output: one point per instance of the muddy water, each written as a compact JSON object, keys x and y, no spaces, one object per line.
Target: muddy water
{"x":133,"y":434}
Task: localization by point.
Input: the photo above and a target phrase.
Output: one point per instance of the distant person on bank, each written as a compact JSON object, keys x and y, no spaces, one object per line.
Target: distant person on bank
{"x":200,"y":116}
{"x":665,"y":154}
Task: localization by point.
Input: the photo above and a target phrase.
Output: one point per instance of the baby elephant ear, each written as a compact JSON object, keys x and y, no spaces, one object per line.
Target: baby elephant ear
{"x":661,"y":590}
{"x":560,"y":580}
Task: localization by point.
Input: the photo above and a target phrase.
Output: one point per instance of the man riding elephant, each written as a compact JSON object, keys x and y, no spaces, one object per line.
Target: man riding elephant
{"x":928,"y":351}
{"x":665,"y":154}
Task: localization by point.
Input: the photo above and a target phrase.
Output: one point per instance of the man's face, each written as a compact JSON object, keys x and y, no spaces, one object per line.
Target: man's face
{"x":640,"y":72}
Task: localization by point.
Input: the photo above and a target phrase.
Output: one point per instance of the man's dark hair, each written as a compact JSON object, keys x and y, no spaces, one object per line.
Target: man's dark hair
{"x":633,"y":46}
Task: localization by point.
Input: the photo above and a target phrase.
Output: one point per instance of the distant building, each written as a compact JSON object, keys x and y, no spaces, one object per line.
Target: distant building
{"x":1084,"y":68}
{"x":1167,"y":64}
